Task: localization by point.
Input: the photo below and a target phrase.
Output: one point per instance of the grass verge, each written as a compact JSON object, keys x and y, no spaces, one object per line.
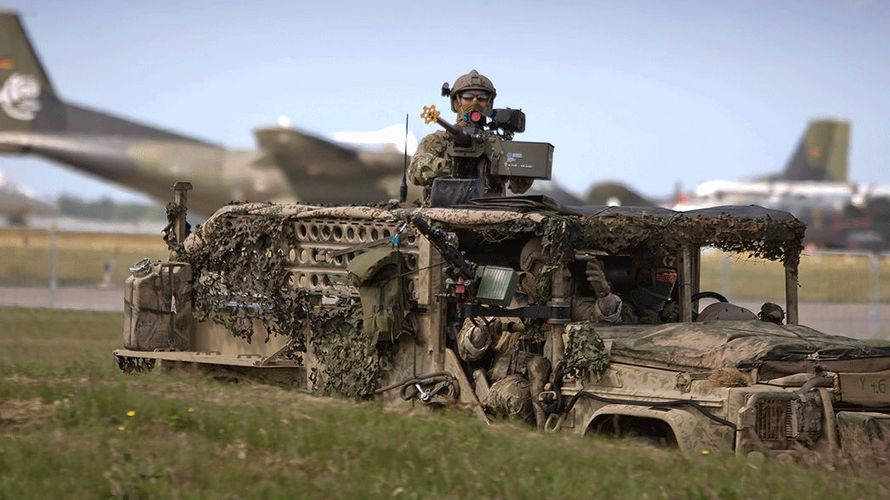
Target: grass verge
{"x":71,"y":425}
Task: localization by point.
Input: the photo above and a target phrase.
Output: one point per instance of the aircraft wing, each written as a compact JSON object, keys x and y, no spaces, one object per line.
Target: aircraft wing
{"x":318,"y":169}
{"x":300,"y":153}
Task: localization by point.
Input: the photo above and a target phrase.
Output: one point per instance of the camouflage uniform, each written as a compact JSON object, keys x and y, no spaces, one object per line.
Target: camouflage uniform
{"x":429,"y":161}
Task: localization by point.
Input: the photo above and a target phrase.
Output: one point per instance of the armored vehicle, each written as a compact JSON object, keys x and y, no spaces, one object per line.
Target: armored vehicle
{"x":575,"y":319}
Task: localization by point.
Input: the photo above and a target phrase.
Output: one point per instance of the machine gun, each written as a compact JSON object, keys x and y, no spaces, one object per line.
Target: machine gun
{"x":484,"y":150}
{"x":449,"y":252}
{"x":491,"y":285}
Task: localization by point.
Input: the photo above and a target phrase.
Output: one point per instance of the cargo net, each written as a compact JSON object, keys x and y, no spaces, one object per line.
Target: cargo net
{"x":242,"y":279}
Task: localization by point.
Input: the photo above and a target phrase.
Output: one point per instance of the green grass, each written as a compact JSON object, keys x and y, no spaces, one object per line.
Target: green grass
{"x":65,"y":431}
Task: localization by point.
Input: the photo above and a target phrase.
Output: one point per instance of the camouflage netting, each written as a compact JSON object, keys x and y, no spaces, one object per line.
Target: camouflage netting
{"x":586,"y":354}
{"x":351,"y":362}
{"x":761,"y":237}
{"x":240,"y":279}
{"x":759,"y":232}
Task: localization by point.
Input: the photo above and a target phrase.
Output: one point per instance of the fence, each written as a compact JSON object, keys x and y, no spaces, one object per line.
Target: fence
{"x":841,"y":293}
{"x":49,"y":268}
{"x":844,"y":293}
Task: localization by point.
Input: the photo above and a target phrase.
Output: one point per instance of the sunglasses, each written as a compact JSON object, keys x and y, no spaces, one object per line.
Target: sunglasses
{"x":479,"y":96}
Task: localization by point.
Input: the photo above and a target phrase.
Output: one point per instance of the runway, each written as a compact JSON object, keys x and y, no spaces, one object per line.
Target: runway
{"x":77,"y":298}
{"x":865,"y":321}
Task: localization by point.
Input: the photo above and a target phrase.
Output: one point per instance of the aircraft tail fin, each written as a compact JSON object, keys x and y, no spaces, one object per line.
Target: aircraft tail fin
{"x":821,"y":154}
{"x":27,"y":98}
{"x":28,"y":101}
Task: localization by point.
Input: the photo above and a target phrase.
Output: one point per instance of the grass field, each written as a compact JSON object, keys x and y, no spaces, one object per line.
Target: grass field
{"x":71,"y":425}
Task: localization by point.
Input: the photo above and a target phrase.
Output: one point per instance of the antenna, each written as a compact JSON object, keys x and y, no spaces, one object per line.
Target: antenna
{"x":403,"y":189}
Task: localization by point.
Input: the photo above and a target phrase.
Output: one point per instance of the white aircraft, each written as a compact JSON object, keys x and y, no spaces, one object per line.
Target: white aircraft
{"x":17,"y":204}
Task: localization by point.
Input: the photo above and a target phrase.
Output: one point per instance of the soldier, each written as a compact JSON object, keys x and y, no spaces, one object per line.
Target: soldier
{"x":648,"y":301}
{"x":604,"y":305}
{"x":470,"y":92}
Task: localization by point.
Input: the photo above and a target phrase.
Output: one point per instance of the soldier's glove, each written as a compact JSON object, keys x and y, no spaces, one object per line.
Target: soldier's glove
{"x":597,"y":278}
{"x":435,"y":168}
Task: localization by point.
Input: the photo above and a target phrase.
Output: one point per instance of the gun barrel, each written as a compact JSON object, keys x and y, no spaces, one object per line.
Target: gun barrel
{"x":461,"y":136}
{"x":451,"y":254}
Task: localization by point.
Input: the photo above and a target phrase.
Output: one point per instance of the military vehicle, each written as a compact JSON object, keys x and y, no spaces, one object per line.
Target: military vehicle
{"x":485,"y":304}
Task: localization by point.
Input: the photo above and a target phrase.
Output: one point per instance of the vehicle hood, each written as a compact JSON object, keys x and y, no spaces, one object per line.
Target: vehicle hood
{"x":746,"y":344}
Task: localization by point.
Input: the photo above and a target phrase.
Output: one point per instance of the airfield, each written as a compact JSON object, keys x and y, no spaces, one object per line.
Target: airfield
{"x":65,"y":406}
{"x":695,"y":105}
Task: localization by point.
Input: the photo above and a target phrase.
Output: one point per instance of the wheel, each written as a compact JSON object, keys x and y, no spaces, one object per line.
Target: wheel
{"x":708,"y":295}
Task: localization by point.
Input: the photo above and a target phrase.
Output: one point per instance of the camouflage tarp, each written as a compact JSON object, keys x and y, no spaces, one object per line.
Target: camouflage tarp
{"x":757,"y":231}
{"x":734,"y":344}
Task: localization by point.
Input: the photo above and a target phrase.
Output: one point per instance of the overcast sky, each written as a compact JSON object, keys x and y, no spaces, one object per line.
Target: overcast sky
{"x":646,"y":92}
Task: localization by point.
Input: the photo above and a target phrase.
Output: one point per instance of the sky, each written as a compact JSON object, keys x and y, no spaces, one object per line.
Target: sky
{"x":650,"y":93}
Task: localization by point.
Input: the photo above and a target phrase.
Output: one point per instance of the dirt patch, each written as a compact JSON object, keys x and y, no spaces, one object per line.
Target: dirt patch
{"x":19,"y":413}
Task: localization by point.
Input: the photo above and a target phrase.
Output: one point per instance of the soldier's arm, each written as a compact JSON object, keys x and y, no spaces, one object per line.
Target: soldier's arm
{"x":429,"y":159}
{"x":604,"y":310}
{"x":608,"y":305}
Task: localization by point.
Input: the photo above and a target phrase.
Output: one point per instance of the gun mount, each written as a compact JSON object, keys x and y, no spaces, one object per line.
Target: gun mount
{"x":484,"y":148}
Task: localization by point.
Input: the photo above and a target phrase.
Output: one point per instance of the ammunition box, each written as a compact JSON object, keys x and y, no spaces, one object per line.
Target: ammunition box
{"x":526,"y":159}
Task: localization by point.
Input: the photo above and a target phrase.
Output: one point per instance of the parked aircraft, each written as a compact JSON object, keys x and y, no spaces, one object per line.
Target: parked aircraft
{"x":17,"y":204}
{"x":815,"y":188}
{"x":288,"y":165}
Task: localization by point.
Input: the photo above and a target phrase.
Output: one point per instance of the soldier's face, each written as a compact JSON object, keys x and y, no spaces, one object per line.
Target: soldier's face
{"x":474,"y":100}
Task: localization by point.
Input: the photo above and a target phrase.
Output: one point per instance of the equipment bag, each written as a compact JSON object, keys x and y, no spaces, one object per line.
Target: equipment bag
{"x":377,"y":274}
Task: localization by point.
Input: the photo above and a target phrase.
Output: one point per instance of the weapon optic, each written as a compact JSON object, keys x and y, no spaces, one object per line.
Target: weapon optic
{"x":503,"y":122}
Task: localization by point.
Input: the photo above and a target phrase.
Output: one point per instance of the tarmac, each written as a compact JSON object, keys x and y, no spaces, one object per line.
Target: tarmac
{"x":76,"y":298}
{"x":865,"y":321}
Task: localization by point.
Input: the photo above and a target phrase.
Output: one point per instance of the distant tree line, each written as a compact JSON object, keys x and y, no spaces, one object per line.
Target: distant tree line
{"x":108,"y":209}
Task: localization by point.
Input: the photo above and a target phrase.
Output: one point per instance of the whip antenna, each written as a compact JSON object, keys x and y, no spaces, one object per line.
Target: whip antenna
{"x":403,"y":189}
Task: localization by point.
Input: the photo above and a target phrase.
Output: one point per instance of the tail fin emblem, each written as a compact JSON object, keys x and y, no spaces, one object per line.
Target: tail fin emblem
{"x":20,"y":96}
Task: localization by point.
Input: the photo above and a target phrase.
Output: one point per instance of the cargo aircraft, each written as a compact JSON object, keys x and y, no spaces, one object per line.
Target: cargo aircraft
{"x":288,"y":164}
{"x":18,"y":204}
{"x":814,"y":187}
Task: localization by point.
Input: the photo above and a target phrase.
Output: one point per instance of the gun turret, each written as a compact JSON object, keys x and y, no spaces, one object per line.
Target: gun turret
{"x":485,"y":147}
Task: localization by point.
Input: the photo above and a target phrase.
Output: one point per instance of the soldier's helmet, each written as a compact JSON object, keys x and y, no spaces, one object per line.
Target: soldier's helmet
{"x":472,"y":81}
